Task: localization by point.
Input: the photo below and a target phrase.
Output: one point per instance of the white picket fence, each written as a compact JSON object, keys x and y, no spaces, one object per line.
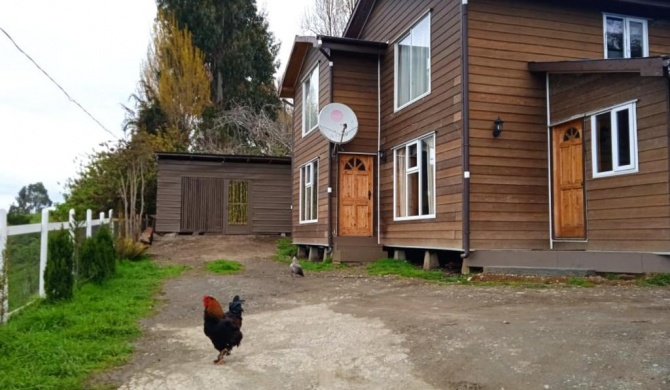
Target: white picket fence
{"x":44,"y":228}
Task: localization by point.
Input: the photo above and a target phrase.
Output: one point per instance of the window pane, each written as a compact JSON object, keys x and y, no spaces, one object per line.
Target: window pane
{"x":623,"y":136}
{"x":238,"y":202}
{"x":411,"y":157}
{"x":636,"y":31}
{"x":404,"y":70}
{"x":400,"y":182}
{"x":420,"y":58}
{"x":307,"y":204}
{"x":413,"y":194}
{"x":615,"y":40}
{"x":311,"y":103}
{"x":604,"y":139}
{"x":427,"y":176}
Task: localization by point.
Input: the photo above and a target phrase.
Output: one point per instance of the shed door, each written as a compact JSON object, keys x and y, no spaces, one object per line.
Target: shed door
{"x":237,"y":207}
{"x":355,"y":195}
{"x":202,"y":205}
{"x":568,"y":180}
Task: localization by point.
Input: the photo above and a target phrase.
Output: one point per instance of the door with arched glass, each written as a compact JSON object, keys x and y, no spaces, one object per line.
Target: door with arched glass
{"x":355,"y":195}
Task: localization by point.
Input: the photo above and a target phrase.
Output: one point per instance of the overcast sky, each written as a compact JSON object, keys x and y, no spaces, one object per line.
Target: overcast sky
{"x":94,"y":50}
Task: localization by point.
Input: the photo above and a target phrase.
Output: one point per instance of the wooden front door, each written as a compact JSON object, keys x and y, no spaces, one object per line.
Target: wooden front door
{"x":568,"y":181}
{"x":355,"y":203}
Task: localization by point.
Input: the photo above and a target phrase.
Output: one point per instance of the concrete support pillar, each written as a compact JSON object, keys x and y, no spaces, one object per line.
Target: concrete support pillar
{"x":313,"y":253}
{"x":399,"y":254}
{"x":302,"y":252}
{"x":326,"y":253}
{"x":465,"y":268}
{"x":430,"y":260}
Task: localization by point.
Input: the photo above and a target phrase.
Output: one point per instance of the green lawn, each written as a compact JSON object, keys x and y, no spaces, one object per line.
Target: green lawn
{"x":286,"y":250}
{"x":23,"y":263}
{"x":58,"y":346}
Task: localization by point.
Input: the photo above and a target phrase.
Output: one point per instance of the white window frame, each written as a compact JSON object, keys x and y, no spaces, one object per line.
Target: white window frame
{"x":314,"y":185}
{"x":395,"y":64}
{"x":314,"y":71}
{"x":626,"y":33}
{"x":632,"y":126}
{"x":416,"y":142}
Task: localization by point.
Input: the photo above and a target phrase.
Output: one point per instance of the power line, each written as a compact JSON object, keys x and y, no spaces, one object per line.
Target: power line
{"x":58,"y":85}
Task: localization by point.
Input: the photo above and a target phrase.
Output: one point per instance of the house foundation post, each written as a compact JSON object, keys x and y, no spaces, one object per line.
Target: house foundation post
{"x":313,"y":253}
{"x":302,"y":252}
{"x":430,"y":260}
{"x":399,"y":254}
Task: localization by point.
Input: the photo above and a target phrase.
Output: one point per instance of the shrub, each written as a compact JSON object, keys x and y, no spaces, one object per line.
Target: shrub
{"x":127,"y":249}
{"x":106,"y":252}
{"x":89,"y":265}
{"x":58,"y":276}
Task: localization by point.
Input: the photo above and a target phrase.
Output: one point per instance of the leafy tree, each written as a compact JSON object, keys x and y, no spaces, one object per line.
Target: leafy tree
{"x":174,"y":85}
{"x":239,"y":49}
{"x":328,"y":17}
{"x":31,"y":199}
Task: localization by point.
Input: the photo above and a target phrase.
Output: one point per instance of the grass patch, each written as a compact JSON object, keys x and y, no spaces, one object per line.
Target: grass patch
{"x":405,"y":269}
{"x":57,"y":346}
{"x":662,"y":280}
{"x":580,"y":282}
{"x":225,"y":267}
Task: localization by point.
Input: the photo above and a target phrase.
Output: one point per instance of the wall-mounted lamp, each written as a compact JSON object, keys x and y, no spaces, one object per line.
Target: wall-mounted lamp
{"x":382,"y":155}
{"x":498,"y":127}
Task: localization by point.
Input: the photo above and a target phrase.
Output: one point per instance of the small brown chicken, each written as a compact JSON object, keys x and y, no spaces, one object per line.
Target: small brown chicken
{"x":223,"y":331}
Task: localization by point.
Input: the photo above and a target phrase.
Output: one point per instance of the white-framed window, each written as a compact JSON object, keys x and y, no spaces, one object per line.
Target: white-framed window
{"x":414,"y":179}
{"x":614,"y":141}
{"x":309,"y":174}
{"x":625,"y":37}
{"x":412,"y":64}
{"x":310,"y":101}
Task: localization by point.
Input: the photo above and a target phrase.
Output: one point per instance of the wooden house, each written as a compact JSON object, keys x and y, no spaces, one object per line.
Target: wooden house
{"x":204,"y":193}
{"x":518,"y":133}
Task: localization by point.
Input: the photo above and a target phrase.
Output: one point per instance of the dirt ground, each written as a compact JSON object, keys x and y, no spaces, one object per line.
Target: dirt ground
{"x":344,"y":330}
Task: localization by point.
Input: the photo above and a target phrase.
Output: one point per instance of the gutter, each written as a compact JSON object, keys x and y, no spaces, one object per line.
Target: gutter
{"x":465,"y":84}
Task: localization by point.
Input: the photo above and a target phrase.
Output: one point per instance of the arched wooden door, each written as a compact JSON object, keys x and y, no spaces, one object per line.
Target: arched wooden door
{"x":355,"y":205}
{"x":568,"y":181}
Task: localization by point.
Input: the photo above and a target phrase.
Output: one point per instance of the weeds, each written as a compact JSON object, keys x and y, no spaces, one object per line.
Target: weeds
{"x":286,"y":250}
{"x":662,"y":280}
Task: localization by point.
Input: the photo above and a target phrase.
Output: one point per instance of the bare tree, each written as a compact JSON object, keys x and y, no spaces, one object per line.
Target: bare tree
{"x":243,"y":130}
{"x":328,"y":17}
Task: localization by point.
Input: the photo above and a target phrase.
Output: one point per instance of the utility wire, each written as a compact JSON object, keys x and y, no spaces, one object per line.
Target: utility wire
{"x":58,"y":85}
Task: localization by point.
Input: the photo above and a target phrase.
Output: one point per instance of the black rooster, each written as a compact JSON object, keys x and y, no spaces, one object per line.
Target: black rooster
{"x":223,"y":330}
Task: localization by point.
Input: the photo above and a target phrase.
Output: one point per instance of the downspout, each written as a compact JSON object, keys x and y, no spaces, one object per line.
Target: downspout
{"x":465,"y":84}
{"x":331,"y":157}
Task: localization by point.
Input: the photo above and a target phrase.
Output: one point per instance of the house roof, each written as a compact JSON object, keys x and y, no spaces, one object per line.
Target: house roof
{"x":649,"y":66}
{"x":301,"y":46}
{"x":363,"y":9}
{"x":221,"y":158}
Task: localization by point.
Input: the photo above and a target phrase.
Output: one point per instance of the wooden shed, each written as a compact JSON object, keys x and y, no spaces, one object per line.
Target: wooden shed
{"x":207,"y":193}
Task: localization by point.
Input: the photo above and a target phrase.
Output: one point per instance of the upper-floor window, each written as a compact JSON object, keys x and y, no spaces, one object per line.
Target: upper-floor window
{"x":412,"y":64}
{"x":309,"y":192}
{"x":614,"y":141}
{"x":310,"y":101}
{"x":625,"y":37}
{"x":414,"y":179}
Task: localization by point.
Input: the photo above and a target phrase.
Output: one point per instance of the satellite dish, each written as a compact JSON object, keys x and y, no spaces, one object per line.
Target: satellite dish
{"x":338,"y":123}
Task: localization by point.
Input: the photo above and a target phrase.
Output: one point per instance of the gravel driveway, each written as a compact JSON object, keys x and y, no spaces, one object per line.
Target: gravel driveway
{"x":344,"y":330}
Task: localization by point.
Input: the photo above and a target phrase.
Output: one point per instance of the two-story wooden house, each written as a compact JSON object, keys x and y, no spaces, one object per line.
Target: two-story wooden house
{"x":514,"y":132}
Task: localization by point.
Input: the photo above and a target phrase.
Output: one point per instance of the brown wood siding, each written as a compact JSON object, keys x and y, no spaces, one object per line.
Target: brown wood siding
{"x":632,"y":211}
{"x":308,"y":148}
{"x":439,"y":111}
{"x":509,"y":187}
{"x":270,"y":192}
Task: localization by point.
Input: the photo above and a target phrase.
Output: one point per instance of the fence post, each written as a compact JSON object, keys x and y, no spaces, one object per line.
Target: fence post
{"x":102,"y":218}
{"x":111,"y":221}
{"x":70,"y":220}
{"x":89,"y":223}
{"x":4,"y":279}
{"x":43,"y":249}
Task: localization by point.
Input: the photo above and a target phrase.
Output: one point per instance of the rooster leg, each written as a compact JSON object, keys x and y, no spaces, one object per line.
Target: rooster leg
{"x":222,"y":353}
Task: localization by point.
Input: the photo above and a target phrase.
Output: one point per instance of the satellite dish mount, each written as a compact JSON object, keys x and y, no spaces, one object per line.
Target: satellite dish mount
{"x":338,"y":123}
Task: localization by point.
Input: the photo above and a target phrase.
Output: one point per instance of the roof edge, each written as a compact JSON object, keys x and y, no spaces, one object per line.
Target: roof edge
{"x":176,"y":156}
{"x":648,"y":66}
